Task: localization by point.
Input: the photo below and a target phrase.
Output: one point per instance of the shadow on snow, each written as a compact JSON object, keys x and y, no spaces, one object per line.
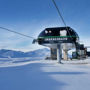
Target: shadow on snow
{"x":30,"y":77}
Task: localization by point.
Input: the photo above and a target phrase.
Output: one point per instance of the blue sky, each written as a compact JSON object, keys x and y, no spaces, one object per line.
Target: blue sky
{"x":32,"y":16}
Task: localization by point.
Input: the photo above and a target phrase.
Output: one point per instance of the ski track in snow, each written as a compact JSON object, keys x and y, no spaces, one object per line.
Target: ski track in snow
{"x":17,"y":74}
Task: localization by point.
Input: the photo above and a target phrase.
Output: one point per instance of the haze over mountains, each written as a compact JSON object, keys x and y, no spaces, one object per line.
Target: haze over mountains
{"x":4,"y":53}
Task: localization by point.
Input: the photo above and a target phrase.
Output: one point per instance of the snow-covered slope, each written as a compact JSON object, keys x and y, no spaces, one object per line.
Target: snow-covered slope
{"x":39,"y":53}
{"x":45,"y":75}
{"x":18,"y":54}
{"x":11,"y":53}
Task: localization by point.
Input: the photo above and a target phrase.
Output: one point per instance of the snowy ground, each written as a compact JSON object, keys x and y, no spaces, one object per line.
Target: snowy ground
{"x":18,"y":74}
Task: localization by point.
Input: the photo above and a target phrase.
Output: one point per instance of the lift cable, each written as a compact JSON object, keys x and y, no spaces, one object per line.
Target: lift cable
{"x":59,"y":13}
{"x":61,"y":16}
{"x":16,"y":32}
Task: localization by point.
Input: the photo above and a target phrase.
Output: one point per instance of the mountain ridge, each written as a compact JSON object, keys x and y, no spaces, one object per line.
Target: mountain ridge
{"x":4,"y":53}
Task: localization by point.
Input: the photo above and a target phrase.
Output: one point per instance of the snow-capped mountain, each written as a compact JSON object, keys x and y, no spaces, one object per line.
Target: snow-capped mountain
{"x":39,"y":53}
{"x":11,"y":53}
{"x":18,"y":54}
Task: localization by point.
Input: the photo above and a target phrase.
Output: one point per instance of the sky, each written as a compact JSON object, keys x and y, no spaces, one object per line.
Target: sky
{"x":30,"y":17}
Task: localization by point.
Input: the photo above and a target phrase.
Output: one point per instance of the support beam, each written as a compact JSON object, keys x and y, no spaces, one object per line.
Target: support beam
{"x":59,"y":53}
{"x":65,"y":54}
{"x":53,"y":54}
{"x":65,"y":51}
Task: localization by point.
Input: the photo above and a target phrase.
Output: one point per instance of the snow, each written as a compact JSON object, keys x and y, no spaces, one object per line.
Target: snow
{"x":21,"y":74}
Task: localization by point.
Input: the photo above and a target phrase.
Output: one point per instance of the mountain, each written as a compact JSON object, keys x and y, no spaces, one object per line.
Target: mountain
{"x":11,"y":53}
{"x":39,"y":53}
{"x":18,"y":54}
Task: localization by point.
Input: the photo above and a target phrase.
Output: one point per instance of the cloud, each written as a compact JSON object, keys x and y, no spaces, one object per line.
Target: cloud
{"x":13,"y":41}
{"x":9,"y":40}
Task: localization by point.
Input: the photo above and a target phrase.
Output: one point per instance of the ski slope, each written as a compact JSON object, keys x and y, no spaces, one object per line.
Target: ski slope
{"x":18,"y":74}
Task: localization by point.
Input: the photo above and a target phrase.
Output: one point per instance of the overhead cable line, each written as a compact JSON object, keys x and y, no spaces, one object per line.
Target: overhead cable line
{"x":61,"y":16}
{"x":59,"y":13}
{"x":16,"y":32}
